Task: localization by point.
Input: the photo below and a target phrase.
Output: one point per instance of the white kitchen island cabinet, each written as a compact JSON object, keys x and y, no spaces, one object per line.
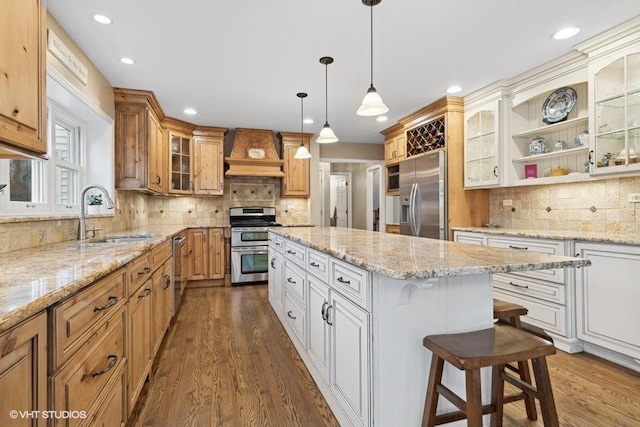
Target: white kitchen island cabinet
{"x":368,"y":300}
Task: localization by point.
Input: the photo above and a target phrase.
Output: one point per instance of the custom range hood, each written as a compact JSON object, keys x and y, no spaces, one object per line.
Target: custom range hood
{"x":254,"y":154}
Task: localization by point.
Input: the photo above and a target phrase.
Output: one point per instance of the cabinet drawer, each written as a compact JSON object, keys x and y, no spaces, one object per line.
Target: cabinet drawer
{"x":295,"y":281}
{"x":276,"y":242}
{"x":112,"y":408}
{"x":295,"y":318}
{"x":469,"y":238}
{"x":75,"y":316}
{"x":139,"y":272}
{"x":159,"y":254}
{"x":550,"y":247}
{"x":550,"y":317}
{"x":351,"y":281}
{"x":547,"y":291}
{"x":295,"y":253}
{"x":79,"y":383}
{"x":318,"y":264}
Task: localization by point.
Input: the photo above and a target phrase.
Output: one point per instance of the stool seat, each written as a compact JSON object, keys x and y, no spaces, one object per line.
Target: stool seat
{"x":494,"y":347}
{"x":507,"y":310}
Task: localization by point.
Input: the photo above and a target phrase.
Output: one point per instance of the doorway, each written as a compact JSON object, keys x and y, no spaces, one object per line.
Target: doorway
{"x":375,"y":194}
{"x":340,"y":199}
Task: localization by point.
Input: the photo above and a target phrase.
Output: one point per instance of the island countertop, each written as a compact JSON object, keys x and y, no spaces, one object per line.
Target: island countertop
{"x":405,"y":257}
{"x":587,"y":236}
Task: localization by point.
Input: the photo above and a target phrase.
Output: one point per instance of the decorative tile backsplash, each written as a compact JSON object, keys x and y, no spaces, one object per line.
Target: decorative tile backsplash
{"x":590,"y":206}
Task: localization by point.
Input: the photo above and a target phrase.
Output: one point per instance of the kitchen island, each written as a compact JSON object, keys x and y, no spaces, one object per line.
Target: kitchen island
{"x":357,"y":304}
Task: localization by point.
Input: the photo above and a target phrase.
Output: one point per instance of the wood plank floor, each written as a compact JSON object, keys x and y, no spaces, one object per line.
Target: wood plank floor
{"x":227,"y":361}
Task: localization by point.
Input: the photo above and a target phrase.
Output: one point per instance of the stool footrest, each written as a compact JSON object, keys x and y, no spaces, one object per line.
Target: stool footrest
{"x":522,"y":385}
{"x":450,"y":417}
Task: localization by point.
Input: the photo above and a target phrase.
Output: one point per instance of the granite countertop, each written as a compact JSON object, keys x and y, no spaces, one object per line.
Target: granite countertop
{"x":406,"y":257}
{"x":34,"y":279}
{"x":626,"y":239}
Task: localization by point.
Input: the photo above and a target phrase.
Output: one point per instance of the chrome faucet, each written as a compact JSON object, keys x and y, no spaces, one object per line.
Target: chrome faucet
{"x":82,"y":230}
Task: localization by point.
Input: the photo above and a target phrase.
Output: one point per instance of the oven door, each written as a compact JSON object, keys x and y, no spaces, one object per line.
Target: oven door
{"x":249,"y":236}
{"x":249,"y":264}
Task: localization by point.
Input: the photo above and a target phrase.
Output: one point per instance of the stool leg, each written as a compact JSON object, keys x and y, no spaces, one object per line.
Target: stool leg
{"x":545,"y":393}
{"x":474,"y":398}
{"x":431,"y":400}
{"x":497,"y":395}
{"x":525,"y":375}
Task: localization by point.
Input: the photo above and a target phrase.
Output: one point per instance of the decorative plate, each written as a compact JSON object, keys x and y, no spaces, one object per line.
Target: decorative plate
{"x":558,"y":105}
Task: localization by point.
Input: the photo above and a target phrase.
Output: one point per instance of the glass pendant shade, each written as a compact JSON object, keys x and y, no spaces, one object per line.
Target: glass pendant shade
{"x":302,"y":153}
{"x":372,"y":104}
{"x":326,"y":135}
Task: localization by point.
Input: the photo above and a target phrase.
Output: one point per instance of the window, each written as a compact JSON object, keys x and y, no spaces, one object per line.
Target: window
{"x":47,"y":186}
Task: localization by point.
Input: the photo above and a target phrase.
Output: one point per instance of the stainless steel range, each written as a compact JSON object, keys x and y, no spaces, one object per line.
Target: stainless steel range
{"x":250,"y":243}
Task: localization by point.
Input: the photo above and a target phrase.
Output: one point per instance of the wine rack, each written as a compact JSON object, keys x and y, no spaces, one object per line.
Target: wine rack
{"x":427,"y":137}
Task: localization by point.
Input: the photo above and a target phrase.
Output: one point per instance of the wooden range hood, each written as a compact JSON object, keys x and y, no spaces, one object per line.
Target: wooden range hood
{"x":248,"y":146}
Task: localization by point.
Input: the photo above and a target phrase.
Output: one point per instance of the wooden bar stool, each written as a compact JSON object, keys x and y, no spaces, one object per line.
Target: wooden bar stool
{"x":495,"y":347}
{"x":510,"y":313}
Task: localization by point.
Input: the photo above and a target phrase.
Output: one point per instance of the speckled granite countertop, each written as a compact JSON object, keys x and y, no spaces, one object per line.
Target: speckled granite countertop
{"x":625,"y":239}
{"x":34,"y":279}
{"x":405,"y":257}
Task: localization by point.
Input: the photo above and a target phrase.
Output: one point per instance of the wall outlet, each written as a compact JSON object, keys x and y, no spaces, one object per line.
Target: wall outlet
{"x":633,"y":197}
{"x":507,"y":202}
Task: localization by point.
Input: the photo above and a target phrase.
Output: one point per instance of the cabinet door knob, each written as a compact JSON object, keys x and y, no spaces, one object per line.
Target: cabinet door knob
{"x":15,"y":112}
{"x":495,"y":171}
{"x":327,"y":315}
{"x":323,"y":311}
{"x":291,"y":316}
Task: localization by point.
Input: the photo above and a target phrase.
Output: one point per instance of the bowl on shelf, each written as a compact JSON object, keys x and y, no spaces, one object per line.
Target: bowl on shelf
{"x":559,"y":171}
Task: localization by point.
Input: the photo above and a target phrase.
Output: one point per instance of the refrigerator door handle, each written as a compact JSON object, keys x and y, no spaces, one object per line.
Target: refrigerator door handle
{"x":410,"y":209}
{"x":414,"y":206}
{"x":417,"y":206}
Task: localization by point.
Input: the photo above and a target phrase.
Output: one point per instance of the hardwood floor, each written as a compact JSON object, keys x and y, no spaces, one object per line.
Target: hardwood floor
{"x":227,"y":361}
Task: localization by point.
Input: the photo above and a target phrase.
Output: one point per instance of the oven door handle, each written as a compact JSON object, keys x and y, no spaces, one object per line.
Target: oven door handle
{"x":251,"y":249}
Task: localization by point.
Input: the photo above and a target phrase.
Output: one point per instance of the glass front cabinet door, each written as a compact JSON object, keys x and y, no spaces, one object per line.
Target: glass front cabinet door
{"x":481,"y":147}
{"x":615,"y":94}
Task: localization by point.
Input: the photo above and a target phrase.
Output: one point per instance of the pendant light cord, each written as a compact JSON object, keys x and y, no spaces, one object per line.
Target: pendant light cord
{"x":371,"y":7}
{"x":326,"y":93}
{"x":301,"y":121}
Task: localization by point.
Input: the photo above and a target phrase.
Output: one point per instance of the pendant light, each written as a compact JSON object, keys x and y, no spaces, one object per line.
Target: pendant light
{"x":302,"y":152}
{"x":372,"y":104}
{"x":326,"y":134}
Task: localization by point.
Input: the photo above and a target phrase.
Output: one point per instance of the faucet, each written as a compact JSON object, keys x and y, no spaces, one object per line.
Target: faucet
{"x":82,"y":230}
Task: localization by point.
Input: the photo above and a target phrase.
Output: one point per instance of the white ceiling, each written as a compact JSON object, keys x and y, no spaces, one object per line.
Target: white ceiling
{"x":240,"y":63}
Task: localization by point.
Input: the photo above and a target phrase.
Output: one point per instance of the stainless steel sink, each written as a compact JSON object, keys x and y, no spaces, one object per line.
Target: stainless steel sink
{"x":123,"y":238}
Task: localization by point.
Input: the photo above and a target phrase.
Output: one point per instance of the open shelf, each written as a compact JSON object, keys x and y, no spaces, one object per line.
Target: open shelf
{"x":573,"y":177}
{"x":552,"y":127}
{"x":560,"y":153}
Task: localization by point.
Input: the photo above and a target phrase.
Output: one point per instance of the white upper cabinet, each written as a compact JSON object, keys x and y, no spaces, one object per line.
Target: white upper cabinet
{"x":615,"y":108}
{"x":483,"y":166}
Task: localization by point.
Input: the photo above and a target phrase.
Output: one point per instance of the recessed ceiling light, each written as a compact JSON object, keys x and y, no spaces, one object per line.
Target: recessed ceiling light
{"x":382,"y":119}
{"x":102,"y":19}
{"x":190,"y":111}
{"x":454,"y":89}
{"x":127,"y":61}
{"x":565,"y":33}
{"x":308,"y":121}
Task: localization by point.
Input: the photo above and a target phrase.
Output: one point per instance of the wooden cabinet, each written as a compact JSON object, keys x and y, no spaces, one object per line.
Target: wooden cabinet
{"x":88,"y":353}
{"x":140,"y":334}
{"x":607,"y":295}
{"x":22,"y":81}
{"x":483,"y":140}
{"x":208,"y":170}
{"x":295,"y":182}
{"x":23,"y":371}
{"x":180,"y":163}
{"x":162,"y":290}
{"x":395,"y":145}
{"x":139,"y":142}
{"x":205,"y":251}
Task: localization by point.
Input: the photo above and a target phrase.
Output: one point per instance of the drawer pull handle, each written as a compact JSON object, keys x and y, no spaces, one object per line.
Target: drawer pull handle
{"x":113,"y":360}
{"x":273,"y":263}
{"x":144,"y":271}
{"x":324,"y":310}
{"x":519,"y":286}
{"x":291,"y":316}
{"x":111,"y":302}
{"x":327,"y":316}
{"x":146,"y":293}
{"x":522,"y":248}
{"x":167,"y":281}
{"x":343,"y":280}
{"x":290,"y":280}
{"x":278,"y":244}
{"x":314,"y":264}
{"x":289,"y":251}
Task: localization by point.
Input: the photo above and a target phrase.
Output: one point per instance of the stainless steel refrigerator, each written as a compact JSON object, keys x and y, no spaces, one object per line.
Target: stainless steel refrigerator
{"x":423,"y":192}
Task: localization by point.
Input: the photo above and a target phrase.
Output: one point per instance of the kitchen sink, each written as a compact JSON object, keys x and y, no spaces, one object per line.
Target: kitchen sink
{"x":123,"y":238}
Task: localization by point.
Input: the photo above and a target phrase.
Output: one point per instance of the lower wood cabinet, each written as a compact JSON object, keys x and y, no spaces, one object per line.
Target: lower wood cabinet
{"x":23,"y":371}
{"x":205,"y":253}
{"x":162,"y":290}
{"x":140,"y":339}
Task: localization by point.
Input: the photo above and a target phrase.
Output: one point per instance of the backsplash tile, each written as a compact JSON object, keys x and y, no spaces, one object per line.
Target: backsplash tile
{"x":598,"y":206}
